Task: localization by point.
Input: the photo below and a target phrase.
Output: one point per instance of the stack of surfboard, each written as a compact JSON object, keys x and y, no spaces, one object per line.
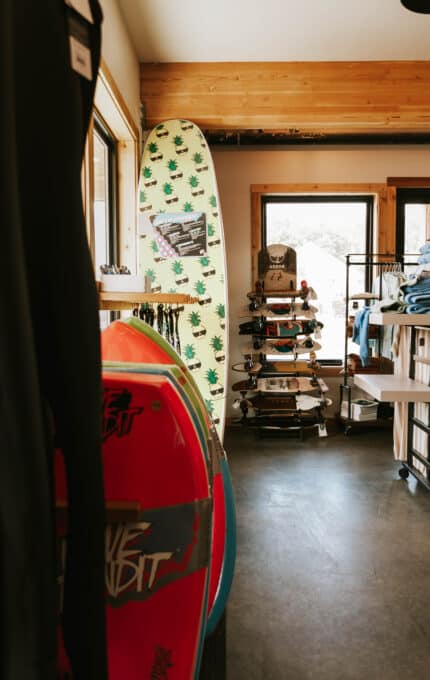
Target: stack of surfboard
{"x":168,"y":574}
{"x":169,"y":570}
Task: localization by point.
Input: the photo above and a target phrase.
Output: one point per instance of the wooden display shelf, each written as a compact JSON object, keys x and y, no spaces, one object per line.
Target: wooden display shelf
{"x":393,"y":318}
{"x":118,"y":301}
{"x":392,"y":387}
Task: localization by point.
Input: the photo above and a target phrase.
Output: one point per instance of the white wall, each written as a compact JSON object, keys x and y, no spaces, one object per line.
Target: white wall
{"x":237,"y":170}
{"x":120,"y":57}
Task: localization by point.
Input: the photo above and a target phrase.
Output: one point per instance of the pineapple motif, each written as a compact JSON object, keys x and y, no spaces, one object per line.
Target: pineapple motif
{"x":188,"y":207}
{"x":169,"y":193}
{"x":198,"y":160}
{"x":156,"y":155}
{"x":192,"y":361}
{"x":155,"y":287}
{"x":210,"y":407}
{"x":208,"y":269}
{"x":180,"y":147}
{"x":212,"y":378}
{"x":144,"y":204}
{"x":161,"y":131}
{"x":204,"y":298}
{"x":214,"y":206}
{"x":173,"y":169}
{"x":156,"y":253}
{"x":202,"y":140}
{"x":213,"y":239}
{"x":217,"y":346}
{"x":196,"y":323}
{"x":178,"y":270}
{"x":148,"y":181}
{"x":220,"y":310}
{"x":186,"y":125}
{"x":194,"y":184}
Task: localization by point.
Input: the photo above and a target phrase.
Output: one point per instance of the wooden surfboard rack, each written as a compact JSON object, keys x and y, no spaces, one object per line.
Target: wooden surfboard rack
{"x":119,"y":301}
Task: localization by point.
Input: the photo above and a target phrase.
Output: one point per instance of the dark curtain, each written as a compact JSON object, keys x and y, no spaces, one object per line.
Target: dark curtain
{"x":49,"y":349}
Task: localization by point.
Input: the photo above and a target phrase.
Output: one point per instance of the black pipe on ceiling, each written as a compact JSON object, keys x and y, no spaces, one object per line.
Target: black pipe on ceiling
{"x":420,"y":6}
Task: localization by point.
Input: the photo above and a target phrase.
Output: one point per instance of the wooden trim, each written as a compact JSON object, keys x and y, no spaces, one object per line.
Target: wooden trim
{"x":409,"y":182}
{"x":318,"y":188}
{"x":386,"y":221}
{"x":106,"y":76}
{"x":339,"y":97}
{"x":259,"y":190}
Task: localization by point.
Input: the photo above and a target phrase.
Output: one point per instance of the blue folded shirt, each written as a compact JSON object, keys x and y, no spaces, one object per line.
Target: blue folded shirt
{"x":417,"y":309}
{"x":417,"y":298}
{"x":425,"y":248}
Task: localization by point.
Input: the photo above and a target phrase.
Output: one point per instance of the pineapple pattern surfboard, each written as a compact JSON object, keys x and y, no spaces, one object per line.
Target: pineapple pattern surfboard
{"x":177,"y":176}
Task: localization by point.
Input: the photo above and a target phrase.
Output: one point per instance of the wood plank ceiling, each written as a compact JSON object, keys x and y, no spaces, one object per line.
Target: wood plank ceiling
{"x":292,"y":100}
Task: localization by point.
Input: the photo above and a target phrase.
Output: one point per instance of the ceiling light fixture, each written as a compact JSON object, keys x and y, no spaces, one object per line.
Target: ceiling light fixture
{"x":421,"y":6}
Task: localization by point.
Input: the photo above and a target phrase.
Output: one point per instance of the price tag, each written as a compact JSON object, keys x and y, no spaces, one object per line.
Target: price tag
{"x":80,"y":47}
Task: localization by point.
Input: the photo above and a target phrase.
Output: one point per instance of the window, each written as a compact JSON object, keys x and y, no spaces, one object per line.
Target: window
{"x":413,"y":222}
{"x":323,"y":230}
{"x":104,"y":202}
{"x":105,"y":174}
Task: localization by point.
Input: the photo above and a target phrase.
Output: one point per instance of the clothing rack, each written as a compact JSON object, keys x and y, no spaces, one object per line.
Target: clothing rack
{"x":375,"y":265}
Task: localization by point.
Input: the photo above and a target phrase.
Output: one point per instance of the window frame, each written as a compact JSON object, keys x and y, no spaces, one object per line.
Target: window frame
{"x":101,"y":129}
{"x":368,"y":199}
{"x":380,"y":217}
{"x":407,"y":196}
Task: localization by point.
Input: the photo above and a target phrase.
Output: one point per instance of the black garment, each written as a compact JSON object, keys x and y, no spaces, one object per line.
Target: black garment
{"x":49,"y":349}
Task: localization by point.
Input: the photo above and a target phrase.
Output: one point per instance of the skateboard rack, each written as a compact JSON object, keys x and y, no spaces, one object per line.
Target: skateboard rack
{"x":278,"y":409}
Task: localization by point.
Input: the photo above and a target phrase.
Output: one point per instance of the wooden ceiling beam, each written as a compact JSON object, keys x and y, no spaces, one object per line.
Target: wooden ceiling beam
{"x":325,"y":97}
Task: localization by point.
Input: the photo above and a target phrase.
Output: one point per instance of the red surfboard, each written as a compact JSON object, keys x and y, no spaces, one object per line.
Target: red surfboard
{"x":157,"y":565}
{"x":135,"y":341}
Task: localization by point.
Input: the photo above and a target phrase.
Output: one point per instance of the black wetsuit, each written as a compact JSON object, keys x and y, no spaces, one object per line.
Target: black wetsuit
{"x":49,"y":349}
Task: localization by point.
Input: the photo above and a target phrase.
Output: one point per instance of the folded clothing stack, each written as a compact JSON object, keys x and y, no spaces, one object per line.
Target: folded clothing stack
{"x":424,"y":258}
{"x":417,"y":297}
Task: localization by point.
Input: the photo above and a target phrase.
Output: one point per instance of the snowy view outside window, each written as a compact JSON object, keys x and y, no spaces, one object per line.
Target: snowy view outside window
{"x":415,"y":230}
{"x":322,"y":235}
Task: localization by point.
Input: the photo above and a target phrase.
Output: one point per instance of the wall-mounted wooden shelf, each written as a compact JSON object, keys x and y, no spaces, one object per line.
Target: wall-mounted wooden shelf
{"x":275,"y":294}
{"x":393,"y":318}
{"x":392,"y":387}
{"x":118,"y":301}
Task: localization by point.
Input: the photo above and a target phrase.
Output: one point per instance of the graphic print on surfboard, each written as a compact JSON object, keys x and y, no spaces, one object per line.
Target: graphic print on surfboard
{"x":158,"y":564}
{"x":178,"y":181}
{"x":135,"y":341}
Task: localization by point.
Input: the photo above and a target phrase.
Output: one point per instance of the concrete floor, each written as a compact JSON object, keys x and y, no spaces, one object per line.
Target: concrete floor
{"x":332,"y":578}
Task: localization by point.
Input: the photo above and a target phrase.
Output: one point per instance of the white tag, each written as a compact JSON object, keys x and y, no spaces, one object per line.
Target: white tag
{"x":322,"y":430}
{"x":80,"y":57}
{"x":82,"y":7}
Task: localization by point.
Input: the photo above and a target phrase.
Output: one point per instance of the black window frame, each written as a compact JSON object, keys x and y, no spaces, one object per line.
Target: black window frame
{"x":368,"y":199}
{"x":407,"y":196}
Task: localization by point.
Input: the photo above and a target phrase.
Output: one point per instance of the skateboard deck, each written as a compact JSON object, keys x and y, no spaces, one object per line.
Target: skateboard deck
{"x":135,"y":341}
{"x":280,"y":329}
{"x":290,"y":366}
{"x":288,"y":385}
{"x":157,"y":567}
{"x":182,"y":248}
{"x":280,"y":404}
{"x":285,"y":347}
